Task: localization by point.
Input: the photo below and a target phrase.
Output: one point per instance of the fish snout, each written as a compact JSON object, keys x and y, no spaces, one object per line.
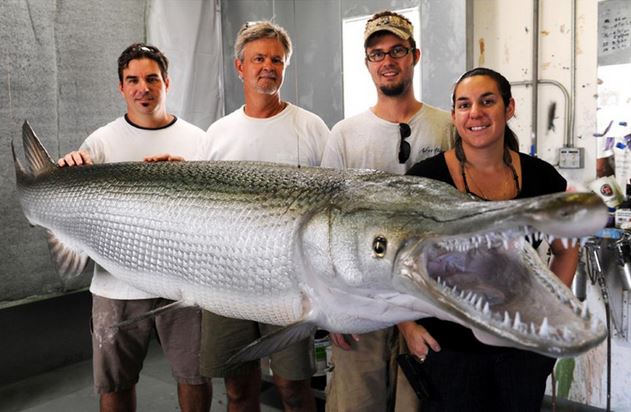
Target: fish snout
{"x":569,"y":215}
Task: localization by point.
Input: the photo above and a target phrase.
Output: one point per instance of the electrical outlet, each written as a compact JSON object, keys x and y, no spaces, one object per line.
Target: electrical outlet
{"x":571,"y":157}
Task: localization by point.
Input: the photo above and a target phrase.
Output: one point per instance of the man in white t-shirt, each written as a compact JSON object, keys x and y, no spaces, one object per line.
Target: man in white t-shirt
{"x":392,"y":136}
{"x":265,"y":128}
{"x":145,"y":131}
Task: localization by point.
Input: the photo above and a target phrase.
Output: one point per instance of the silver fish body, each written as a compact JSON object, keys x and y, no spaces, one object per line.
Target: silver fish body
{"x":348,"y":251}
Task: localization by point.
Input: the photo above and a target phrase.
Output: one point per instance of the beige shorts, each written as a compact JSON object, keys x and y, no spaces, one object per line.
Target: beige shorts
{"x":223,"y":337}
{"x":118,"y":354}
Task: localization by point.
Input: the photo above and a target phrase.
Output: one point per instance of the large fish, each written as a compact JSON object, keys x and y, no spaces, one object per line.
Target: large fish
{"x":347,"y":251}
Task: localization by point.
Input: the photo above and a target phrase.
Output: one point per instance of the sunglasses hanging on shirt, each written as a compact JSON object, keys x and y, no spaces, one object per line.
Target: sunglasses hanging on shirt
{"x":404,"y":148}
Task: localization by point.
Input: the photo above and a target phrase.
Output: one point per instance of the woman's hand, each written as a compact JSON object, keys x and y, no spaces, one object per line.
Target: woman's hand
{"x":418,"y":339}
{"x":340,"y":340}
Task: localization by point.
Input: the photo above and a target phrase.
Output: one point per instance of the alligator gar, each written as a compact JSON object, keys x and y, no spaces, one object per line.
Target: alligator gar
{"x":344,"y":250}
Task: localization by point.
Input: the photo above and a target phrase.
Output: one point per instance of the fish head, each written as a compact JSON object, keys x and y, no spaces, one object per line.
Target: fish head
{"x":460,"y":259}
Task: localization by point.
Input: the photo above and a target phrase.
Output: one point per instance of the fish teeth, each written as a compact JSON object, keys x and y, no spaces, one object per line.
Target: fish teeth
{"x":507,"y":321}
{"x":478,"y":305}
{"x":486,"y":310}
{"x":573,"y":242}
{"x":544,"y":329}
{"x":550,"y":238}
{"x":517,"y":322}
{"x":565,"y":242}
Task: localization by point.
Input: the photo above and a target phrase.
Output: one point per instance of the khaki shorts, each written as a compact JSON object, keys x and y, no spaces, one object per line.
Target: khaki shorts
{"x":223,"y":337}
{"x":118,"y":354}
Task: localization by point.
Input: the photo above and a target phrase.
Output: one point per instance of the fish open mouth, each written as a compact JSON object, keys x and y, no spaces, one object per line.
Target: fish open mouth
{"x":497,"y":283}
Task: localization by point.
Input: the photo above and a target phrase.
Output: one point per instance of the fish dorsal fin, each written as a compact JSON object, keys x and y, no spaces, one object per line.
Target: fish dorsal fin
{"x":37,"y":158}
{"x":273,"y":342}
{"x":152,"y":314}
{"x":68,"y":261}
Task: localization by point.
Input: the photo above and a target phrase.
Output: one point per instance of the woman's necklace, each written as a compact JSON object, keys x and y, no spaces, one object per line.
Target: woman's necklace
{"x":481,"y":195}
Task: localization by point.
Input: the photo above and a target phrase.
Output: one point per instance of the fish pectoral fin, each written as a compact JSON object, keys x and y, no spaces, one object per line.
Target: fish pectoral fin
{"x":68,"y":261}
{"x":274,"y":342}
{"x":152,"y":313}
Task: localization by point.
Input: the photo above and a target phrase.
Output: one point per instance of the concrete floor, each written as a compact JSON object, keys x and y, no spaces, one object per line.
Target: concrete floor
{"x":70,"y":389}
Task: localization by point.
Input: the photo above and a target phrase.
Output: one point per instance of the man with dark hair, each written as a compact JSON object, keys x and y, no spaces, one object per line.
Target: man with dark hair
{"x":118,"y":353}
{"x":392,"y":136}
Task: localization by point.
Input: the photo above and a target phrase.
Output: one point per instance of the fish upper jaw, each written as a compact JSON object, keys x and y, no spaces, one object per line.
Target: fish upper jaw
{"x":561,"y":215}
{"x":500,"y":288}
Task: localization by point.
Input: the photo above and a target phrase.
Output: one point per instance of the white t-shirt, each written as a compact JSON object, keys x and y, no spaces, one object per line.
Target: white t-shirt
{"x":366,"y":141}
{"x":120,"y":141}
{"x":294,"y":136}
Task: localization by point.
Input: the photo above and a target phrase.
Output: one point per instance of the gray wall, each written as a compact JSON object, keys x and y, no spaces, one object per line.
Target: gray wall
{"x":314,"y":77}
{"x":58,"y":71}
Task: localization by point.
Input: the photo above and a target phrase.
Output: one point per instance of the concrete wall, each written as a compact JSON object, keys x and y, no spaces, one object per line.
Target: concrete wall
{"x":314,"y":77}
{"x":58,"y":71}
{"x":502,"y":39}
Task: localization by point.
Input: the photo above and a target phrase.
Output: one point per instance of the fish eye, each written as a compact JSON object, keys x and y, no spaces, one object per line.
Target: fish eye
{"x":379,"y":246}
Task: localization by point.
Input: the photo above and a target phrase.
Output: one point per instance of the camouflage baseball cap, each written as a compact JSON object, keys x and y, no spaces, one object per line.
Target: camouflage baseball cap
{"x":389,"y":21}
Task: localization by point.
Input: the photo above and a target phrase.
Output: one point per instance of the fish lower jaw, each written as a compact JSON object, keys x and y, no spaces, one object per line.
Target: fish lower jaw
{"x":491,"y":281}
{"x":480,"y":311}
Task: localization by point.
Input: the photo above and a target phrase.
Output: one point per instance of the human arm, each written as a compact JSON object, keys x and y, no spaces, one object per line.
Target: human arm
{"x":418,"y":339}
{"x":564,"y":262}
{"x":541,"y":178}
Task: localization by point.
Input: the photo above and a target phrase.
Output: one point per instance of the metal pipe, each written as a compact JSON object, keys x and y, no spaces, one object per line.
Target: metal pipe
{"x":569,"y":142}
{"x":535,"y":76}
{"x":566,"y":97}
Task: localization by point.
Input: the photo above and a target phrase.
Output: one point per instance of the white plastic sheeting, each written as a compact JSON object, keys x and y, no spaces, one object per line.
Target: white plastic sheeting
{"x":188,"y":32}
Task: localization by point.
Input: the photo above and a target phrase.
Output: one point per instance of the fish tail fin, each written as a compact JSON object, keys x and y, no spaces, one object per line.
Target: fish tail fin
{"x":37,"y":158}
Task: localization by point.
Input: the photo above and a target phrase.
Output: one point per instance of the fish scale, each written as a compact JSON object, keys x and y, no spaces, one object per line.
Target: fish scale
{"x":151,"y":226}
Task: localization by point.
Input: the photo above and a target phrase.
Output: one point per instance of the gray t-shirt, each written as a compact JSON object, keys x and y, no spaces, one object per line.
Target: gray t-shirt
{"x":366,"y":141}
